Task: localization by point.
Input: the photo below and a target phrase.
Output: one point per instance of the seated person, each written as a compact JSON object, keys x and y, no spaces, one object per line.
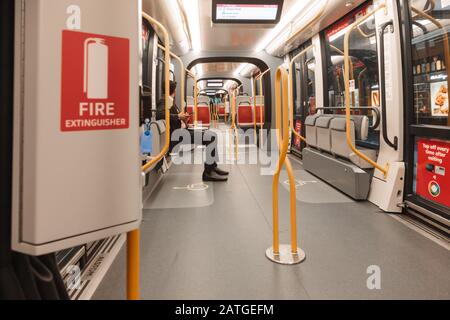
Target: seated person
{"x":178,"y":121}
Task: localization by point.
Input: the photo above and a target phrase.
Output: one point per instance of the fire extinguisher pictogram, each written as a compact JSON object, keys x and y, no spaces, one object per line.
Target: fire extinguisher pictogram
{"x":95,"y":82}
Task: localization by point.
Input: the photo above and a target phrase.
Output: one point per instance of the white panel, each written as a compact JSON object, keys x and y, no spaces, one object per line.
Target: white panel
{"x":72,"y":187}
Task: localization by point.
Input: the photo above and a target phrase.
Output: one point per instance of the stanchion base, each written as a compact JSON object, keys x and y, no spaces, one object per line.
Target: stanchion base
{"x":286,"y":256}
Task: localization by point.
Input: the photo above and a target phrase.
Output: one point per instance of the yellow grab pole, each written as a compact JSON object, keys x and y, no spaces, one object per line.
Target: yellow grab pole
{"x":182,"y":76}
{"x":233,"y":125}
{"x":261,"y":111}
{"x":254,"y":109}
{"x":133,"y":268}
{"x":280,"y":253}
{"x":190,"y":74}
{"x":293,"y":204}
{"x":133,"y":292}
{"x":385,"y":169}
{"x":291,"y":91}
{"x":261,"y":120}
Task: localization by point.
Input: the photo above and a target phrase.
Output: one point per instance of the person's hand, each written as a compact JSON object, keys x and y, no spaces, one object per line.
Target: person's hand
{"x":182,"y":116}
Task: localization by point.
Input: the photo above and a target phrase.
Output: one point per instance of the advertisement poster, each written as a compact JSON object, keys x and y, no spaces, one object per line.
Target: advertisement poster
{"x":439,"y":99}
{"x":433,"y":170}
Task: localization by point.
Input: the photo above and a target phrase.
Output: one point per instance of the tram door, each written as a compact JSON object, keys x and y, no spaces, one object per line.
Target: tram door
{"x":427,"y":102}
{"x":304,"y":83}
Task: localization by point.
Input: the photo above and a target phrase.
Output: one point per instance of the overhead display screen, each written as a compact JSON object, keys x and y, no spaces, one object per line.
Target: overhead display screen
{"x":246,"y":12}
{"x":241,"y":11}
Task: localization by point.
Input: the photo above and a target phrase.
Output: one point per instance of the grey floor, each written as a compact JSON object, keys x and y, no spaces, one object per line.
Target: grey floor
{"x":210,"y":244}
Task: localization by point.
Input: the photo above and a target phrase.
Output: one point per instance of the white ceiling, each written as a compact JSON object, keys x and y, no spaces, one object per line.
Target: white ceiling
{"x":214,"y":37}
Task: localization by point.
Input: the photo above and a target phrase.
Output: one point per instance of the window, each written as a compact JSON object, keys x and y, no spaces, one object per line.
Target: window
{"x":364,"y":61}
{"x":364,"y":72}
{"x":304,"y":90}
{"x":430,"y":61}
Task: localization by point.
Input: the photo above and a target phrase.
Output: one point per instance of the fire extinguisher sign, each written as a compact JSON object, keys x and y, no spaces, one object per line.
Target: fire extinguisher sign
{"x":94,"y":82}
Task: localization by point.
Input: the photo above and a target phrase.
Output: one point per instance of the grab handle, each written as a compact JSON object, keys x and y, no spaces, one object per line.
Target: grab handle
{"x":384,"y":130}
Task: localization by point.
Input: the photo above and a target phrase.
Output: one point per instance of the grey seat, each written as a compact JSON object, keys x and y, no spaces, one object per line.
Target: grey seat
{"x":311,"y":131}
{"x":358,"y":130}
{"x":323,"y":132}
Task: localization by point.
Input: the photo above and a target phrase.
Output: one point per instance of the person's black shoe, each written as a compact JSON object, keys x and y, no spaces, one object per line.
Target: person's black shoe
{"x":214,"y":177}
{"x":220,"y":172}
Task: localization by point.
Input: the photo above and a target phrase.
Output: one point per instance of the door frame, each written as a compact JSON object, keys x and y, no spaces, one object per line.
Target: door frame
{"x":411,"y":130}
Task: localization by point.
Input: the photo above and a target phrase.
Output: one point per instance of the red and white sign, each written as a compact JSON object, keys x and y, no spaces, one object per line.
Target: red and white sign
{"x":433,"y":170}
{"x":94,"y":82}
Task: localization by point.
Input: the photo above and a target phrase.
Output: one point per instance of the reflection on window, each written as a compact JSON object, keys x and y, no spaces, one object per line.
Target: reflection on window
{"x":363,"y":64}
{"x":430,"y":22}
{"x":304,"y":90}
{"x":364,"y":86}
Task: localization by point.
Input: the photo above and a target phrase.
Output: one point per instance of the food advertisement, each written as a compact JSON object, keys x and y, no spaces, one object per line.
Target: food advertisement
{"x":439,"y":99}
{"x":433,"y":170}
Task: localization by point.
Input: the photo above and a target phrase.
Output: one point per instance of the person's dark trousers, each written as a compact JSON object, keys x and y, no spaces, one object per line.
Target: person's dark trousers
{"x":207,"y":138}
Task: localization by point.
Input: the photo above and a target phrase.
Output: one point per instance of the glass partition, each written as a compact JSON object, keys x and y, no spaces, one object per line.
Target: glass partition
{"x":430,"y":23}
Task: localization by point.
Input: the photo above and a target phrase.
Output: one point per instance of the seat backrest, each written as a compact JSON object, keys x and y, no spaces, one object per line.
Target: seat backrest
{"x":310,"y":128}
{"x":243,"y":100}
{"x":190,"y":110}
{"x":259,"y":111}
{"x":189,"y":101}
{"x":245,"y":115}
{"x":339,"y":145}
{"x":158,"y":129}
{"x":323,"y":132}
{"x":221,"y":108}
{"x":361,"y":127}
{"x":204,"y":115}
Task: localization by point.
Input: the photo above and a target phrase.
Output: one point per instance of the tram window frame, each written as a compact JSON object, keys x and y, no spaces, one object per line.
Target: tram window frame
{"x":373,"y":142}
{"x":413,"y":130}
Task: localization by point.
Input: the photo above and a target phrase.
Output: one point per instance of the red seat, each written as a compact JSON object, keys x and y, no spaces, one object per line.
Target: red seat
{"x":204,"y":115}
{"x":245,"y":116}
{"x":190,"y":110}
{"x":221,"y":110}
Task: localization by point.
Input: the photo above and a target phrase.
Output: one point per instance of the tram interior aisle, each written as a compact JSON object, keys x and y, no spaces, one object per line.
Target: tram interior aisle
{"x":210,"y":244}
{"x":149,"y":149}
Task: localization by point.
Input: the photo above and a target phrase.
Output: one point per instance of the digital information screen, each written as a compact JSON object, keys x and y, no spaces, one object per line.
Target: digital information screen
{"x":246,"y":12}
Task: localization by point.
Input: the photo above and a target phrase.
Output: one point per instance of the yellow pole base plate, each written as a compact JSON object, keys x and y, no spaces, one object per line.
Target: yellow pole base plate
{"x":286,"y":256}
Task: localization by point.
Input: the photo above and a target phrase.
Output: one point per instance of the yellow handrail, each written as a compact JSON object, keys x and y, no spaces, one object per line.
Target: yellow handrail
{"x":282,"y":132}
{"x":233,"y":121}
{"x":193,"y":76}
{"x":133,"y":237}
{"x":291,"y":91}
{"x":385,"y":169}
{"x":259,"y":77}
{"x":182,"y":76}
{"x":438,"y":24}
